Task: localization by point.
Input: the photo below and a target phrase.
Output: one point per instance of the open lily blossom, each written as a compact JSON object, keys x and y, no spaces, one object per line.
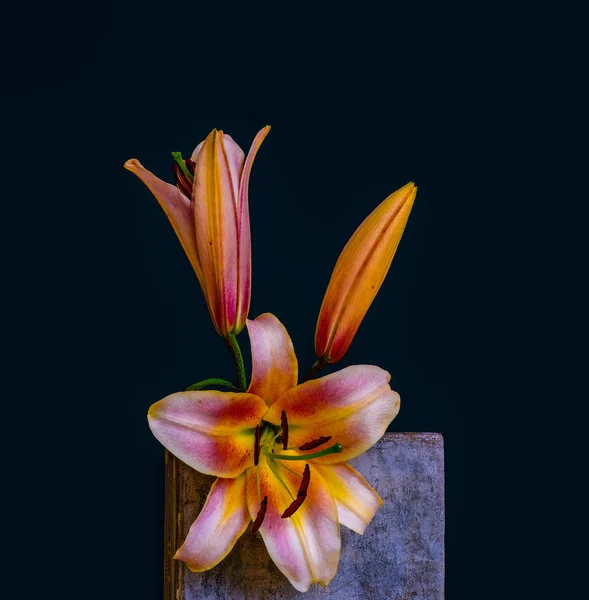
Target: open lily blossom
{"x":279,"y":452}
{"x":359,"y":272}
{"x":208,"y":209}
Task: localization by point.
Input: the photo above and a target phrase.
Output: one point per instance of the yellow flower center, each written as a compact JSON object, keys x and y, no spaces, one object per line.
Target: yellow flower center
{"x":266,"y":437}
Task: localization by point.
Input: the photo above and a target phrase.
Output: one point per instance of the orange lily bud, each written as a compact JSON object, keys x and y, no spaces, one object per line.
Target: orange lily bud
{"x":359,"y":273}
{"x":208,"y":209}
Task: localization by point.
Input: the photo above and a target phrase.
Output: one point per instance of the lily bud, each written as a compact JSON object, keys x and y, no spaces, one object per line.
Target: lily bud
{"x":209,"y":211}
{"x":359,"y":273}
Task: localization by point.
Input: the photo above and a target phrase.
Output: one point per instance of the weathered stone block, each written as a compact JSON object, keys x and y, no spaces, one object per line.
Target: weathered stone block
{"x":400,"y":556}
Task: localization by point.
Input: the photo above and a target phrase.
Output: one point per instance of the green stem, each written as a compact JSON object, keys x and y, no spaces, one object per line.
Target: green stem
{"x":274,"y":468}
{"x":258,"y":483}
{"x":320,"y":363}
{"x":289,"y":469}
{"x":238,"y":360}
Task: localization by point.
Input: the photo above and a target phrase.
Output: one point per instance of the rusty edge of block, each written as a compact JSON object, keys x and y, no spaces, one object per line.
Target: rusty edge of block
{"x":172,"y":528}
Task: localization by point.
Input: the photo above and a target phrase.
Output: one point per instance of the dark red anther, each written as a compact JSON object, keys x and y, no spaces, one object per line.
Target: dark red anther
{"x":257,"y":447}
{"x":305,"y":481}
{"x":190,"y":164}
{"x":301,"y":494}
{"x":182,"y":182}
{"x":261,"y":514}
{"x":294,"y":506}
{"x":284,"y":424}
{"x":315,"y":443}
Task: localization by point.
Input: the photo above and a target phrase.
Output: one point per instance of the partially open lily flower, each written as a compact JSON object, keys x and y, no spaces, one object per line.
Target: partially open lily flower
{"x":280,"y":452}
{"x":209,"y":211}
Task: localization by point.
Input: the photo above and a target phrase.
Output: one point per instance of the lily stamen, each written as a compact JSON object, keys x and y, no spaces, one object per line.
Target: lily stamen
{"x":284,"y":425}
{"x":261,"y":514}
{"x":331,"y":450}
{"x":315,"y":443}
{"x":301,"y":494}
{"x":186,"y":166}
{"x":257,"y":445}
{"x":184,"y":172}
{"x":182,"y":183}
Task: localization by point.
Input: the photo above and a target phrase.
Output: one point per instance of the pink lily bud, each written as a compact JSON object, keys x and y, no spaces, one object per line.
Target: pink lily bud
{"x":359,"y":273}
{"x":209,"y":211}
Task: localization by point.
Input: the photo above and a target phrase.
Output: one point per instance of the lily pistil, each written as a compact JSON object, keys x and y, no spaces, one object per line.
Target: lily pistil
{"x":184,"y":173}
{"x":266,"y":436}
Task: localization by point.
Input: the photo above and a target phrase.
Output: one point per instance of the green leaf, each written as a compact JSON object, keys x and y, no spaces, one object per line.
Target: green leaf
{"x":213,"y":381}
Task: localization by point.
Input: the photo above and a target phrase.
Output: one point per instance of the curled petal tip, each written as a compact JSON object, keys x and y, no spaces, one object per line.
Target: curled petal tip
{"x":132,"y":164}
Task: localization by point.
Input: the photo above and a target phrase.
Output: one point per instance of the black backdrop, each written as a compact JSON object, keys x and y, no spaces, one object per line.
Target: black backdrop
{"x":104,"y":315}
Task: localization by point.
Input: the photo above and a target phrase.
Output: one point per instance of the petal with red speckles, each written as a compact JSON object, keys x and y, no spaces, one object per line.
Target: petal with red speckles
{"x":212,"y":432}
{"x":354,"y":406}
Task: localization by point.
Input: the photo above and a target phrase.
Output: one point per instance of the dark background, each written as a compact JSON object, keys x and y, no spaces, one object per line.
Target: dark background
{"x":104,"y":315}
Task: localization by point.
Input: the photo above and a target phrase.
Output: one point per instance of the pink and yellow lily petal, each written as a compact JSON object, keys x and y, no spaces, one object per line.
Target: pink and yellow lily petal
{"x":359,"y":272}
{"x":209,"y":211}
{"x":279,"y":452}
